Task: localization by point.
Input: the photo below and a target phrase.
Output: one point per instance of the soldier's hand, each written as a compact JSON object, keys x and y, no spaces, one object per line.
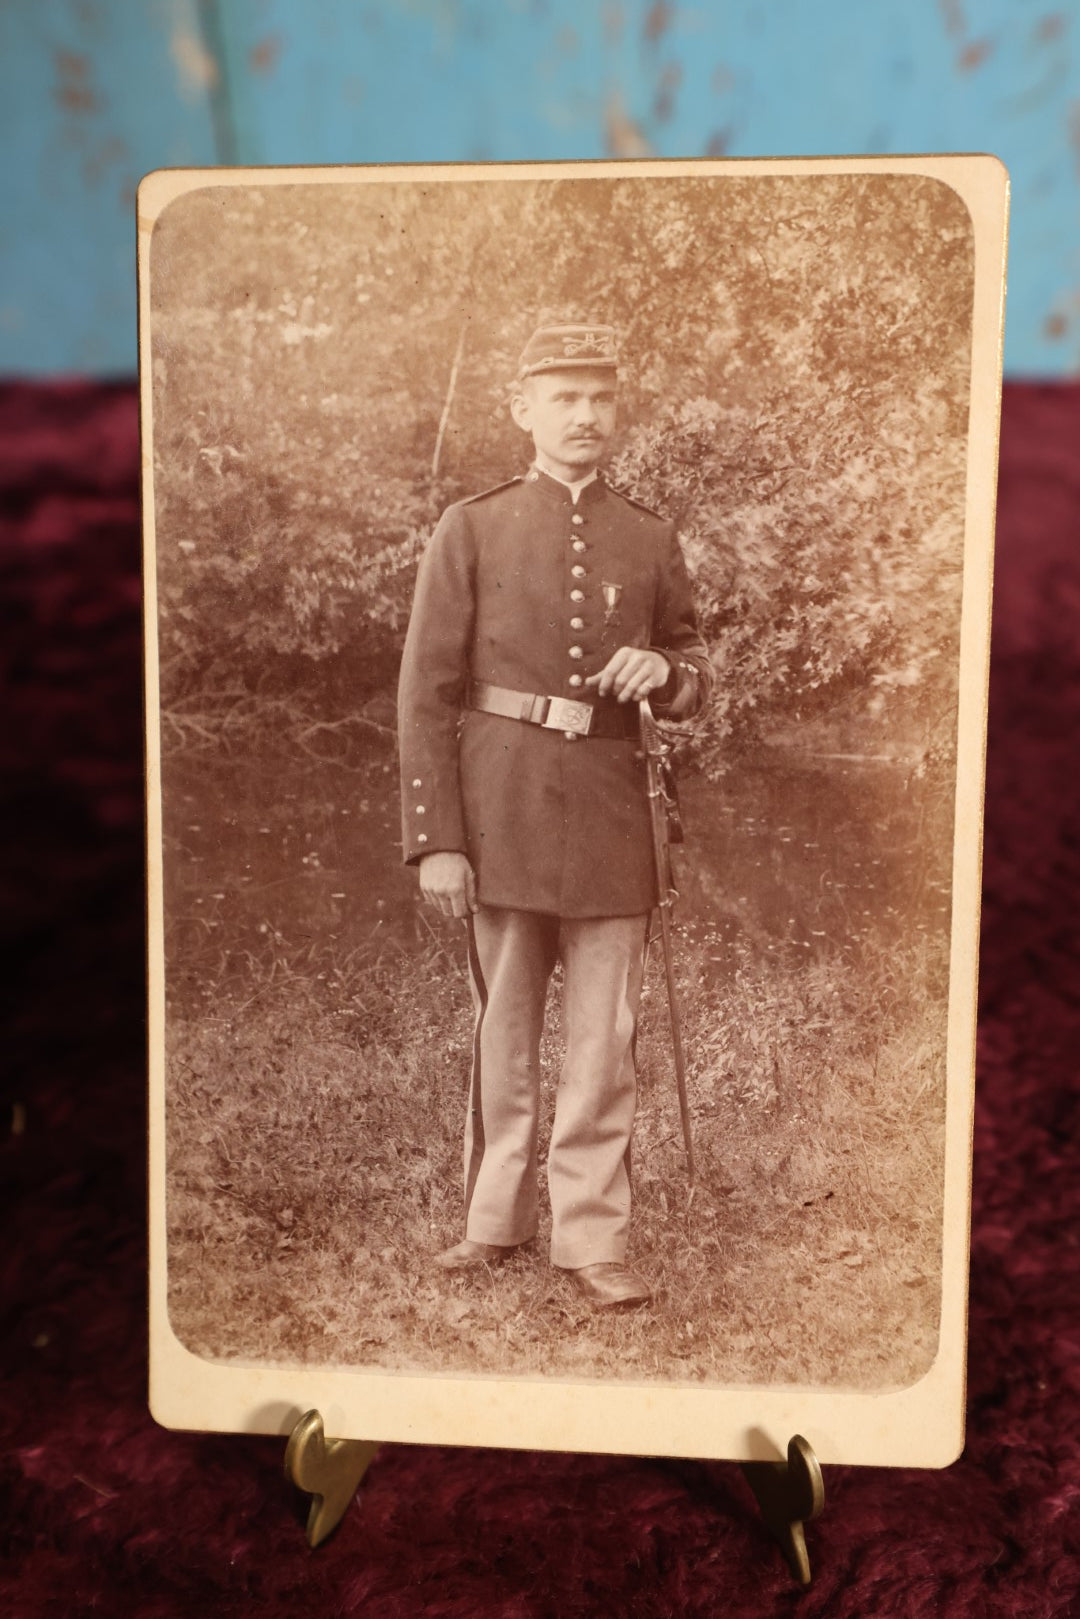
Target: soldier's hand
{"x":448,"y":882}
{"x":631,"y":674}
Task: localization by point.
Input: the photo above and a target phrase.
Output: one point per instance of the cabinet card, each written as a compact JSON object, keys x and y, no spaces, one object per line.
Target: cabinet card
{"x":719,"y":432}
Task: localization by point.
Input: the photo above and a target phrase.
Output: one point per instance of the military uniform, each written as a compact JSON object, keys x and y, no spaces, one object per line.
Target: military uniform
{"x":524,"y":592}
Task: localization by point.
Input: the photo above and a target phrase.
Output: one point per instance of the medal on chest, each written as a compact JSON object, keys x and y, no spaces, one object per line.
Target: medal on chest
{"x":612,"y":595}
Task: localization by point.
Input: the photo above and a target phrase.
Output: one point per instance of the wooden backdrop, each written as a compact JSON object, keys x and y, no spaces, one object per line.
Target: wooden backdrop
{"x":94,"y":94}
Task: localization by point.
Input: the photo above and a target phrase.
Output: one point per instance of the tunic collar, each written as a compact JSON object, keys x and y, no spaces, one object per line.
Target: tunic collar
{"x":559,"y":493}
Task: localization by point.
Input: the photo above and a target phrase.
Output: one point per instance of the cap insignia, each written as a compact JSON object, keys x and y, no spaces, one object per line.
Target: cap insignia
{"x":591,"y":343}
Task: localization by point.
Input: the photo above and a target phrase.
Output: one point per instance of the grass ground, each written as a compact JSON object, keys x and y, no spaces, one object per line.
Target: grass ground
{"x":314,"y":1138}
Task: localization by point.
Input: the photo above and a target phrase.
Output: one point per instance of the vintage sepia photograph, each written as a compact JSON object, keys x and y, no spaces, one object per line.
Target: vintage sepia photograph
{"x":559,"y":774}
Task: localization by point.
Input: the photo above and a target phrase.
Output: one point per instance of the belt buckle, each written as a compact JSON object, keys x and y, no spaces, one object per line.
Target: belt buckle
{"x":564,"y":714}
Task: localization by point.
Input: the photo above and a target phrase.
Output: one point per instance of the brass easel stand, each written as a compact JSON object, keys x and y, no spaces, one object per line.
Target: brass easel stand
{"x":789,"y":1494}
{"x":330,"y":1470}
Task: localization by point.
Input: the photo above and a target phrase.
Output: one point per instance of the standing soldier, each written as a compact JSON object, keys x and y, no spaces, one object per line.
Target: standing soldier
{"x":544,"y":610}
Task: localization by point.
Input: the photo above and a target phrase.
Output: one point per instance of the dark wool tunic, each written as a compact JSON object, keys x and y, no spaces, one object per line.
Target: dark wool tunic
{"x":551,"y":822}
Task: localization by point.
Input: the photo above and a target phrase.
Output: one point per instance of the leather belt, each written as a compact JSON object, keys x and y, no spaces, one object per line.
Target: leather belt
{"x":607,"y":720}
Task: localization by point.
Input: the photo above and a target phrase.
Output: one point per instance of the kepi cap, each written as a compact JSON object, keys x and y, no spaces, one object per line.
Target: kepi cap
{"x":562,"y":348}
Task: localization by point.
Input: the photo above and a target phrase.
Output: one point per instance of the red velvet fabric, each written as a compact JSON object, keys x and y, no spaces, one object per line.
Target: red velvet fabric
{"x":102,"y":1512}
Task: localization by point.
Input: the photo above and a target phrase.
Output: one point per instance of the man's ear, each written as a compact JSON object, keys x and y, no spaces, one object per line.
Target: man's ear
{"x":519,"y":410}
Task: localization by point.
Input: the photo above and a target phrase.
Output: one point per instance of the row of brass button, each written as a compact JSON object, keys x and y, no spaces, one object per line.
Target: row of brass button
{"x":576,"y":652}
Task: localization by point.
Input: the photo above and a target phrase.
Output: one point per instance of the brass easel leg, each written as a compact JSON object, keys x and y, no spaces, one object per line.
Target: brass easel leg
{"x":789,"y":1494}
{"x":329,"y":1470}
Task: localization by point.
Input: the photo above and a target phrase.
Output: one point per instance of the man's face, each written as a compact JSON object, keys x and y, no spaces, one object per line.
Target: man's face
{"x":571,"y":416}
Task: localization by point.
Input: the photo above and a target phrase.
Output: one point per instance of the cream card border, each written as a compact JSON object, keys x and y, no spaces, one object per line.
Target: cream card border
{"x":921,"y":1425}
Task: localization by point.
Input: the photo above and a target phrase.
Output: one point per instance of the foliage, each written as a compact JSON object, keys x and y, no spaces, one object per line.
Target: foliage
{"x":811,"y":594}
{"x":796,"y":365}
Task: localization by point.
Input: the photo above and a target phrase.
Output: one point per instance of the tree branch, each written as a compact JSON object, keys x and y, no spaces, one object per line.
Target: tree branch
{"x":450,"y":387}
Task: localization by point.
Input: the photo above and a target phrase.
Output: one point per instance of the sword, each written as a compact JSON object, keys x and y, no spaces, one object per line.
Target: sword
{"x":656,"y":752}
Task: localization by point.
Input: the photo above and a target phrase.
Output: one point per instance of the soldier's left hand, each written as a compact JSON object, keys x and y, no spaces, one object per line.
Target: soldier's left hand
{"x":631,"y":674}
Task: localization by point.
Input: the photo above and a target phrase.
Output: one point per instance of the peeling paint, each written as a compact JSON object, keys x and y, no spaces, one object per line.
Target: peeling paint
{"x":203,"y":81}
{"x":975,"y":54}
{"x":624,"y":137}
{"x":197,"y":70}
{"x":102,"y":158}
{"x":1050,"y":27}
{"x":264,"y":55}
{"x":664,"y":102}
{"x":74,"y":92}
{"x":952,"y":12}
{"x":659,"y":19}
{"x":1036,"y":95}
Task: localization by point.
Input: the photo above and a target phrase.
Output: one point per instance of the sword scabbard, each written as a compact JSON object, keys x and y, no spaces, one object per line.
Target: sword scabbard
{"x":655,"y":751}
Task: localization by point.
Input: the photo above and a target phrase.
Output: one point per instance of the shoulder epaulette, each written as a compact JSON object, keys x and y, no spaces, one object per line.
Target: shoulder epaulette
{"x":470,"y":500}
{"x":640,"y":504}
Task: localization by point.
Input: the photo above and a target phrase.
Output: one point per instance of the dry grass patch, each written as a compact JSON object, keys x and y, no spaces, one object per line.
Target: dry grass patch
{"x":314,"y":1140}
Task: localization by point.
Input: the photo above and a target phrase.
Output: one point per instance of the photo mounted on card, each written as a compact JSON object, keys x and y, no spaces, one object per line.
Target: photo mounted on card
{"x":568,"y":595}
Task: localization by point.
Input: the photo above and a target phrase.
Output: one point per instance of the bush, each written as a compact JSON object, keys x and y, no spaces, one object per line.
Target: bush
{"x":796,"y":372}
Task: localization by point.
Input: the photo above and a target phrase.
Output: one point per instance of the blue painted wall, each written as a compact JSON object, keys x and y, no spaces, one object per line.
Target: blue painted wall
{"x":93,"y":94}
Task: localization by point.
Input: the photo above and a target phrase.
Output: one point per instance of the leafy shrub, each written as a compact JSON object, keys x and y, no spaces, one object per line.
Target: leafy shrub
{"x":796,"y":366}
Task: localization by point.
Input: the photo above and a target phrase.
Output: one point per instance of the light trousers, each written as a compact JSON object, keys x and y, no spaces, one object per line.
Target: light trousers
{"x":512,"y":955}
